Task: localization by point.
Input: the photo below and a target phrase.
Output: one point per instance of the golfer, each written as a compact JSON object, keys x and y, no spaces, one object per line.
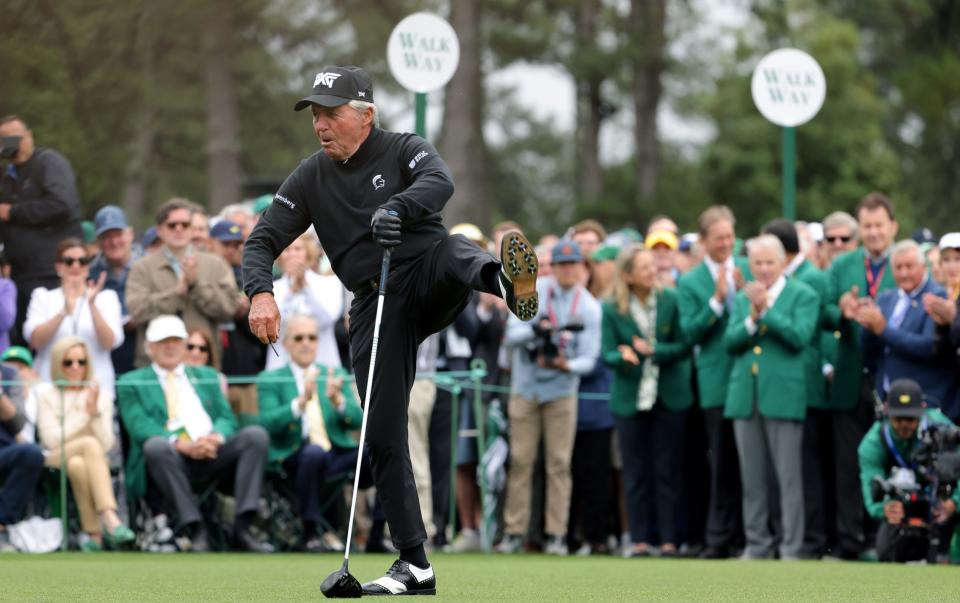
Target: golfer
{"x":368,"y":190}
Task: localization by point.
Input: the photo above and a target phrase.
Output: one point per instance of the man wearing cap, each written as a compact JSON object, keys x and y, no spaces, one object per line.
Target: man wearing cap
{"x":39,"y":207}
{"x":118,"y":252}
{"x":548,"y":357}
{"x":664,"y":245}
{"x":890,"y":444}
{"x":195,"y":285}
{"x":944,"y":312}
{"x":243,"y":354}
{"x":370,"y":189}
{"x":182,"y":430}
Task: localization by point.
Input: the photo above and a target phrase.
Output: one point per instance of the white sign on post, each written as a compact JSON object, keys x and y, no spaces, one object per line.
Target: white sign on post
{"x":423,"y":52}
{"x":788,"y":87}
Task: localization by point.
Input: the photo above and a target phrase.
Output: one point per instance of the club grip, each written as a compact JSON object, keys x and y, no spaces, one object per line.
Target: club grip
{"x":384,"y":271}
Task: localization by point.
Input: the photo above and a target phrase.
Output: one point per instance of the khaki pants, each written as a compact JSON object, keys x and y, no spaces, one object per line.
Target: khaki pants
{"x":556,"y":421}
{"x":422,"y":398}
{"x":90,"y":478}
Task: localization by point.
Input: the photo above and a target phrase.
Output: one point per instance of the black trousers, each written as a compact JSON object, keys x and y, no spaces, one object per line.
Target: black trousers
{"x":819,"y":491}
{"x":725,"y":515}
{"x":241,"y":461}
{"x":590,"y":498}
{"x":423,"y":296}
{"x":311,"y":467}
{"x":651,"y":444}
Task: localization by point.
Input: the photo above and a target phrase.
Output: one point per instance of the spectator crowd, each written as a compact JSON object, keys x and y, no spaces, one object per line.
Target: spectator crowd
{"x":706,"y":394}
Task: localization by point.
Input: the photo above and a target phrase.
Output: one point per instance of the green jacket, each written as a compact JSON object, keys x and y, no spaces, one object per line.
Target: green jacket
{"x":143,"y":409}
{"x":876,"y":459}
{"x":847,"y":271}
{"x":671,"y":352}
{"x":768,"y":366}
{"x":276,"y":390}
{"x":701,"y":326}
{"x":810,"y":275}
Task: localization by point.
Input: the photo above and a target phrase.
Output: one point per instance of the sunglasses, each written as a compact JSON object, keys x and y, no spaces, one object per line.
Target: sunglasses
{"x":835,"y":239}
{"x":70,"y":261}
{"x":300,"y":338}
{"x":68,"y":362}
{"x":203,"y":348}
{"x":175,"y":225}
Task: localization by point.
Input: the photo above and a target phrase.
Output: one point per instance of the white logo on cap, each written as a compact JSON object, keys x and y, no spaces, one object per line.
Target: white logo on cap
{"x":378,"y":182}
{"x":326,"y":78}
{"x":361,"y":94}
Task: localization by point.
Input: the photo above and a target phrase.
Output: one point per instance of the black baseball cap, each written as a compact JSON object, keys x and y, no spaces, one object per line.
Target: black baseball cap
{"x":905,"y":399}
{"x":335,"y":86}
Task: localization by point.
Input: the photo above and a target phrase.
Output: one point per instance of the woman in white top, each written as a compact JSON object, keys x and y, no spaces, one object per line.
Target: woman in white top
{"x":75,"y":421}
{"x":301,"y":291}
{"x":77,"y":307}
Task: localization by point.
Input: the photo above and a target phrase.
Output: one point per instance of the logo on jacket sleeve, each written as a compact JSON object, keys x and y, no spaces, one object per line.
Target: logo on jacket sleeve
{"x":378,"y":182}
{"x":416,"y":160}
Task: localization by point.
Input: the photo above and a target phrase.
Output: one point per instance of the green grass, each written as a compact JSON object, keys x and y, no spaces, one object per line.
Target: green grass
{"x":136,"y":577}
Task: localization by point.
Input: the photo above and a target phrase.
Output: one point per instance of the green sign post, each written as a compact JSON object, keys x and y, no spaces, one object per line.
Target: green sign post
{"x":788,"y":89}
{"x":420,"y":100}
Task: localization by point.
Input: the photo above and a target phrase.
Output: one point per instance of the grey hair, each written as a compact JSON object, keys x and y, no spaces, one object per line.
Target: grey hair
{"x":361,"y":107}
{"x":841,"y":219}
{"x":288,"y":323}
{"x":907,"y":246}
{"x":768,"y":241}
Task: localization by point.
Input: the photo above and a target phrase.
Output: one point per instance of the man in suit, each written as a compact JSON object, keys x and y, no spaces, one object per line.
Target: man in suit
{"x":773,"y":324}
{"x":899,"y":337}
{"x":308,"y":411}
{"x":706,"y":296}
{"x":817,"y":425}
{"x":181,"y":429}
{"x":853,"y":278}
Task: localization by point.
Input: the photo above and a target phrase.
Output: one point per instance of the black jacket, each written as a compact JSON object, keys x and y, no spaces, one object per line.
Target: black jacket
{"x":46,"y":210}
{"x":399,"y":171}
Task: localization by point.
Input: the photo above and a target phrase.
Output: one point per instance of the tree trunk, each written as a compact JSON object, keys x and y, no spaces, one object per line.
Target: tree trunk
{"x":136,"y":172}
{"x":647,"y":19}
{"x":461,"y":140}
{"x":223,"y":166}
{"x":590,"y":180}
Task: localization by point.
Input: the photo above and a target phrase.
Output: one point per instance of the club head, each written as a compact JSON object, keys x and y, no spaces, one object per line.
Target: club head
{"x":341,"y":585}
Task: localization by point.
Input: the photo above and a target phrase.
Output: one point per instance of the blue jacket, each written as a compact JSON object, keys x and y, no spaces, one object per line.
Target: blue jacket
{"x":593,"y":405}
{"x":910,"y":350}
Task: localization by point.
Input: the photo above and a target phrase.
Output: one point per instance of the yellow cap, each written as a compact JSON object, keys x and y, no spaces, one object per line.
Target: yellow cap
{"x":661,"y":237}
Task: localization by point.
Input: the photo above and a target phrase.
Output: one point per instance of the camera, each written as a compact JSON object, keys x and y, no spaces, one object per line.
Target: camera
{"x":548,"y":339}
{"x":933,"y":476}
{"x":9,"y":146}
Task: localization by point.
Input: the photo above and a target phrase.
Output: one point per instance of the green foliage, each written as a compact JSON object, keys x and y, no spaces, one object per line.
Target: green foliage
{"x":841,"y":153}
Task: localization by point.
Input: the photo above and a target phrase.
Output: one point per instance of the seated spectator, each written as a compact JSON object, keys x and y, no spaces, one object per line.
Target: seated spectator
{"x":201,"y":352}
{"x":774,"y":321}
{"x":118,"y":252}
{"x":181,"y":430}
{"x":75,"y":401}
{"x":302,"y":291}
{"x":78,"y":307}
{"x":8,"y":304}
{"x":890,"y":446}
{"x":20,"y":462}
{"x":21,"y":360}
{"x":650,"y":394}
{"x":899,"y":337}
{"x":195,"y":285}
{"x":308,"y":411}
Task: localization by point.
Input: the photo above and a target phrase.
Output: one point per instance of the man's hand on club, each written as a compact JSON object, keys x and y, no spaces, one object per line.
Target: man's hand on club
{"x":386,"y":227}
{"x":264,"y":317}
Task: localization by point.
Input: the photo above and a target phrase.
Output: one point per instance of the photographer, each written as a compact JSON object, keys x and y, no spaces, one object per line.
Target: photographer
{"x":549,"y":355}
{"x":901,"y":446}
{"x":39,"y":207}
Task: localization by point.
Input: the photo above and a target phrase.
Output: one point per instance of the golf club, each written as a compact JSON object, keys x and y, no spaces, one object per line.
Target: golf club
{"x":340,"y":584}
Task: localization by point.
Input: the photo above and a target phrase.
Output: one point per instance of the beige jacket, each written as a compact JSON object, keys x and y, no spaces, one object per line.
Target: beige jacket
{"x":76,"y":417}
{"x":152,"y":291}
